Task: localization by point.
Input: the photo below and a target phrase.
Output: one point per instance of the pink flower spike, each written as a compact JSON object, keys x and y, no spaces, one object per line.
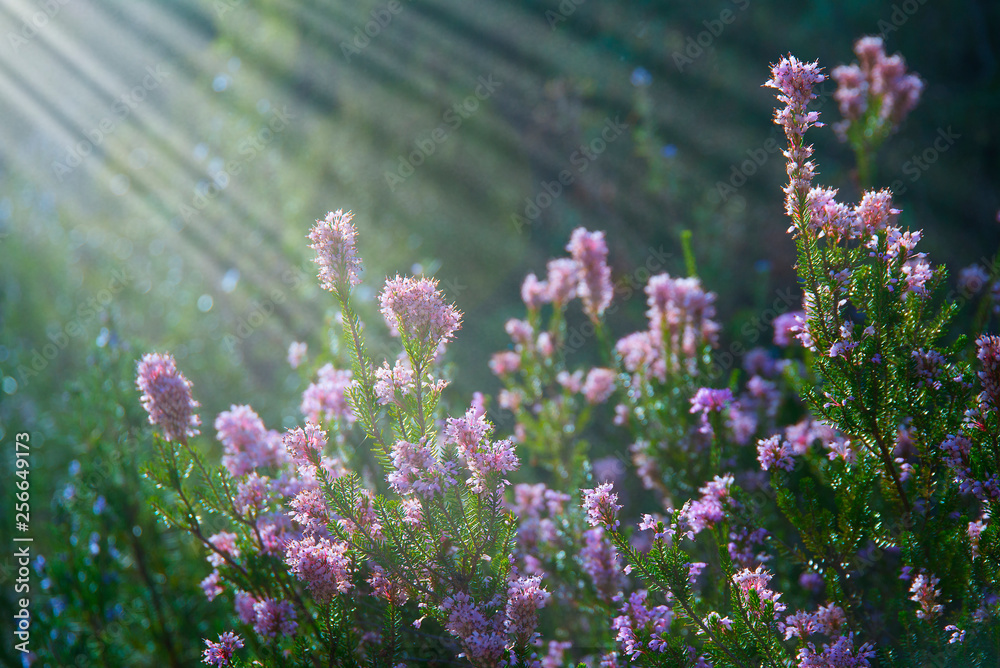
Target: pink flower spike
{"x":305,"y":445}
{"x":602,"y":506}
{"x":416,"y":309}
{"x":219,"y":653}
{"x":297,"y":353}
{"x":599,"y":385}
{"x":534,"y":293}
{"x":166,"y":396}
{"x":323,"y":565}
{"x":590,"y":251}
{"x":326,"y":399}
{"x":333,"y":239}
{"x":563,"y":280}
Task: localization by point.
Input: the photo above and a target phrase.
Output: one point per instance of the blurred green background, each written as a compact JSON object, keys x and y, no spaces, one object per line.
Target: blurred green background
{"x":162,"y":162}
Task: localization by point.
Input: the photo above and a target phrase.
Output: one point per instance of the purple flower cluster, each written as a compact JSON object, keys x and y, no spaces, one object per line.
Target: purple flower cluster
{"x":219,"y":653}
{"x":482,"y":639}
{"x":469,"y":434}
{"x":875,"y":81}
{"x":988,"y":354}
{"x":417,"y":310}
{"x":418,"y":469}
{"x":707,"y":400}
{"x":333,"y":239}
{"x":708,"y":510}
{"x":840,"y":654}
{"x":601,"y":505}
{"x":322,"y":564}
{"x":325,"y":400}
{"x":305,"y":445}
{"x":681,"y":313}
{"x":166,"y":396}
{"x":599,"y":559}
{"x":757,"y":581}
{"x":924,"y":591}
{"x":794,"y":81}
{"x":639,"y":621}
{"x":246,"y":443}
{"x":525,"y":597}
{"x":775,"y":452}
{"x":590,"y":252}
{"x":586,"y":275}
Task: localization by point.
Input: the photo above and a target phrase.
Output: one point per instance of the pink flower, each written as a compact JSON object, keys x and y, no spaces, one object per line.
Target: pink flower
{"x":418,"y":469}
{"x":681,"y":314}
{"x":554,"y":657}
{"x":505,"y":363}
{"x":247,"y":444}
{"x":757,"y":580}
{"x":413,"y":512}
{"x":520,"y":331}
{"x":309,"y":509}
{"x":852,"y":92}
{"x":211,"y":586}
{"x":325,"y":400}
{"x":925,"y":592}
{"x":785,"y":326}
{"x":599,"y":386}
{"x":305,"y":445}
{"x":829,"y":217}
{"x":416,"y":309}
{"x":166,"y":396}
{"x":252,"y":494}
{"x":394,"y":383}
{"x":841,"y":447}
{"x":917,"y":272}
{"x":776,"y":452}
{"x":602,"y":506}
{"x":641,"y":355}
{"x":224,"y":542}
{"x":709,"y":509}
{"x":297,"y":353}
{"x":599,"y":559}
{"x":875,"y":211}
{"x":525,"y":597}
{"x":562,"y":280}
{"x":988,"y":354}
{"x":219,"y":653}
{"x":573,"y":382}
{"x":385,"y":588}
{"x":273,"y":618}
{"x":545,"y":346}
{"x":794,"y":81}
{"x":590,"y":251}
{"x":707,"y":400}
{"x":323,"y":565}
{"x":973,"y":530}
{"x":534,"y":293}
{"x":333,"y":239}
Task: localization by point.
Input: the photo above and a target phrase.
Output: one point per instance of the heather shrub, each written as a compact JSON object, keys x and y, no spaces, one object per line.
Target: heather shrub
{"x":828,"y":504}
